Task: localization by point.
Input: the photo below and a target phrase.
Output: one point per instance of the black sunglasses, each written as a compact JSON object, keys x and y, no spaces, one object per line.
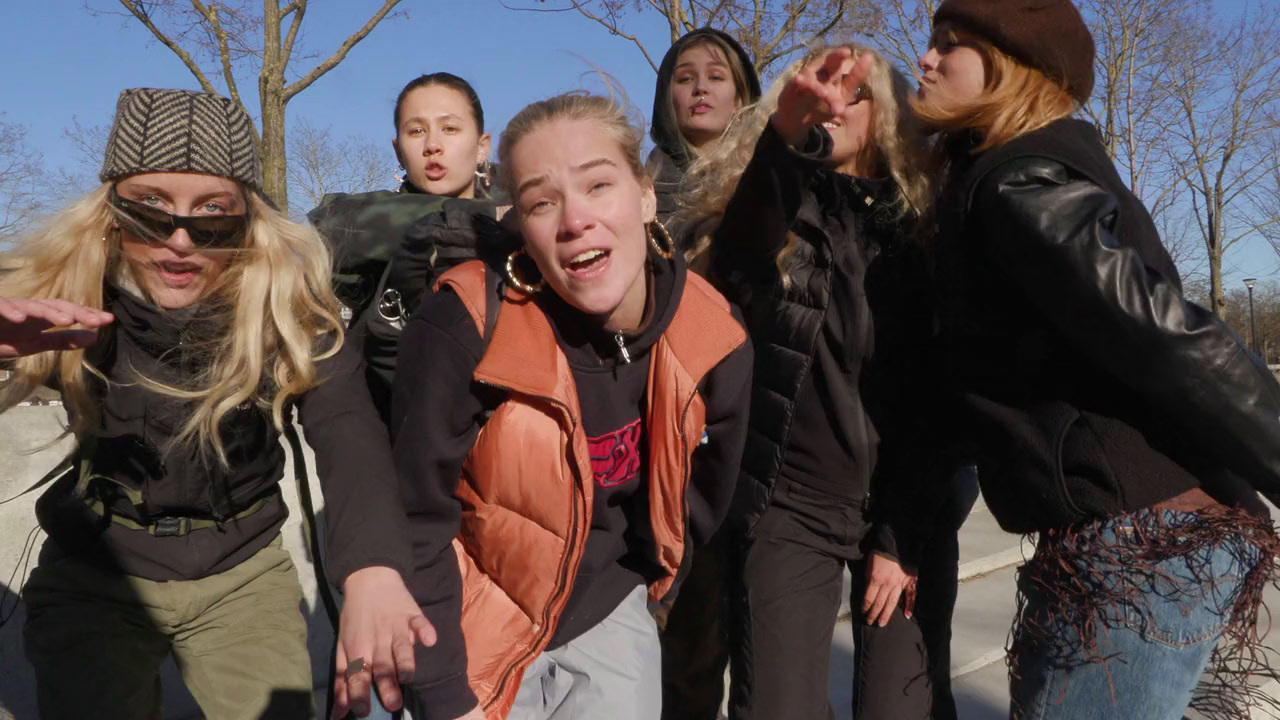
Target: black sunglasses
{"x":218,"y":232}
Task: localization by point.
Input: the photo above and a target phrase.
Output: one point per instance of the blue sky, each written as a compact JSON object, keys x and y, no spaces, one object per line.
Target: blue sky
{"x":60,"y":61}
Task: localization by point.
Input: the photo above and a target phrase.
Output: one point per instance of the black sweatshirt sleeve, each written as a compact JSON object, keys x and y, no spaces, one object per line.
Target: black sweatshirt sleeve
{"x":903,"y":394}
{"x":364,"y":520}
{"x":436,"y":412}
{"x":1129,"y":318}
{"x":726,"y":392}
{"x":758,"y":218}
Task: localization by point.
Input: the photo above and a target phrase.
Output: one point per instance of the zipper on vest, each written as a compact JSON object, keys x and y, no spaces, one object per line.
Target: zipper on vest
{"x":562,"y":584}
{"x":622,"y":347}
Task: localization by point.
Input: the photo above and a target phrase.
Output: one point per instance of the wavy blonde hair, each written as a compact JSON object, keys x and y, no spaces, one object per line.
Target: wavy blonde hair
{"x":713,"y":178}
{"x":1018,"y":98}
{"x":275,"y":296}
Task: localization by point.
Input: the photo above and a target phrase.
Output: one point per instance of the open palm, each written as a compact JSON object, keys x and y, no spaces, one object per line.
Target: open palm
{"x":33,"y":326}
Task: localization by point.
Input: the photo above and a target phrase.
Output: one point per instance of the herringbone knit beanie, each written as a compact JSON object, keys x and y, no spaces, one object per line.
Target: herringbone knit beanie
{"x":181,"y":131}
{"x":1049,"y":35}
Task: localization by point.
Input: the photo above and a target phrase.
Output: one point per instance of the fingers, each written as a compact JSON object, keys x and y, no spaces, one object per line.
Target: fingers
{"x":77,"y":314}
{"x":385,"y":668}
{"x":11,"y":310}
{"x":358,"y":685}
{"x":876,"y":603}
{"x":892,"y":597}
{"x":909,"y":598}
{"x":424,"y":630}
{"x":341,"y":701}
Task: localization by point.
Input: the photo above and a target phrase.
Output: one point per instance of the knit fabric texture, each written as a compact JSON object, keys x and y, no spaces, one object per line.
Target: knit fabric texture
{"x":181,"y":131}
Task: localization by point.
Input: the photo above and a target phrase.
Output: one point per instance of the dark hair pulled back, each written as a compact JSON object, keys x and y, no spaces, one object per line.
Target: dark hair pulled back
{"x":448,"y":80}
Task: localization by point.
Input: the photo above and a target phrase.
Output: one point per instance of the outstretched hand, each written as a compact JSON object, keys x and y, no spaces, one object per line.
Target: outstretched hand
{"x":33,"y":326}
{"x":820,"y":92}
{"x":380,"y":625}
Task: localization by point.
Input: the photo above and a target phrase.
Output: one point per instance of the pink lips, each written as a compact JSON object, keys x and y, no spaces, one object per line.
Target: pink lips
{"x":436,"y":172}
{"x":590,"y":269}
{"x":177,"y":273}
{"x":700,"y":108}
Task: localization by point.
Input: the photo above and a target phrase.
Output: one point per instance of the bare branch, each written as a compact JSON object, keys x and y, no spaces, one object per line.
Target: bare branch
{"x":138,"y":11}
{"x":299,"y":8}
{"x":341,"y":53}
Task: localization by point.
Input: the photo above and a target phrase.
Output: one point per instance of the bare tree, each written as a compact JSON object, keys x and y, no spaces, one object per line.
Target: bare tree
{"x":1227,"y":89}
{"x":771,"y":31}
{"x":21,"y":181}
{"x":319,"y":165}
{"x":1140,"y":43}
{"x":200,"y":32}
{"x":904,"y":30}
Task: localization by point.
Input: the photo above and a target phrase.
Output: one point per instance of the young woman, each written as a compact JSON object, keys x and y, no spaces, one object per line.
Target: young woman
{"x":214,"y":317}
{"x":704,"y":79}
{"x":795,"y":202}
{"x":566,"y":432}
{"x":389,"y":245}
{"x":1124,"y":425}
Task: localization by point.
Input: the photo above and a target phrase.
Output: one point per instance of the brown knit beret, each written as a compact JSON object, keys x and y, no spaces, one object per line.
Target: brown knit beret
{"x":1049,"y":35}
{"x":181,"y":131}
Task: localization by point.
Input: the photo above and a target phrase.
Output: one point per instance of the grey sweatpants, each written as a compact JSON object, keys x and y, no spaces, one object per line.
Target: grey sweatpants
{"x":614,"y":670}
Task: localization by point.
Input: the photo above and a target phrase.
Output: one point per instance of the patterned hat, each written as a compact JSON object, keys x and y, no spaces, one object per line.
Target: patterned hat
{"x":181,"y":131}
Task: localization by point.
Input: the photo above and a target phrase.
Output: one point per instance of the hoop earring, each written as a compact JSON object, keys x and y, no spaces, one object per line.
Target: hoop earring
{"x":515,"y":280}
{"x":670,"y":251}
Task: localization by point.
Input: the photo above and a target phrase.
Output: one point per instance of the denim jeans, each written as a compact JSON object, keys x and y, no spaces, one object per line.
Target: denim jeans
{"x":1151,"y":650}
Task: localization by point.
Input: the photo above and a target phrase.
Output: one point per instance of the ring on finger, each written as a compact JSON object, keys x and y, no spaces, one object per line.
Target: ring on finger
{"x":357,"y":666}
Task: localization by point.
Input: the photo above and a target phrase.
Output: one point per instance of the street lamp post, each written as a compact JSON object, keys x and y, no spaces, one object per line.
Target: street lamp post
{"x":1253,"y":326}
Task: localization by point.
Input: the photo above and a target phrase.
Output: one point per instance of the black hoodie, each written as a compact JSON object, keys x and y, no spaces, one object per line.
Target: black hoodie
{"x":670,"y":159}
{"x":437,"y":412}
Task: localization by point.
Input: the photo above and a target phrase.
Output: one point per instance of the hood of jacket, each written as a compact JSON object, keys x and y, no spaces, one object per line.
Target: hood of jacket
{"x":665,"y":135}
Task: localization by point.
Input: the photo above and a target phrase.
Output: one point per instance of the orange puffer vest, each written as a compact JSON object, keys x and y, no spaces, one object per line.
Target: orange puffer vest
{"x":526,"y":487}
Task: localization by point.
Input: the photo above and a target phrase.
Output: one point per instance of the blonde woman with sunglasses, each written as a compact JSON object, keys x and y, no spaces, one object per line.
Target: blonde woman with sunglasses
{"x":181,"y":317}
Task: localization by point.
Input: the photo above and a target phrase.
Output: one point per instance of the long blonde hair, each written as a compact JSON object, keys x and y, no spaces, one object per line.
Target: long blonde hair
{"x":1018,"y":98}
{"x":275,"y":297}
{"x":713,"y":178}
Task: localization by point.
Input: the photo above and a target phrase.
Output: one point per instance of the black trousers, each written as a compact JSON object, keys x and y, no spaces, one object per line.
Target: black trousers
{"x":938,"y":584}
{"x":695,"y":639}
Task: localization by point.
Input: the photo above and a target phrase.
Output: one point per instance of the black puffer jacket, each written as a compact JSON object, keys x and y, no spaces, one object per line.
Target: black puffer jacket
{"x":1088,"y":384}
{"x":788,"y":193}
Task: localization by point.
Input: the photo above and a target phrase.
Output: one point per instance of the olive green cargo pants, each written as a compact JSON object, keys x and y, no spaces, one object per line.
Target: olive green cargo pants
{"x":98,"y":639}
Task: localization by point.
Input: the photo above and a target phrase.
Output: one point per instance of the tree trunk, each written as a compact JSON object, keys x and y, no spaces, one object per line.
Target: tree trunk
{"x":1217,"y":299}
{"x":271,"y":93}
{"x":274,"y":176}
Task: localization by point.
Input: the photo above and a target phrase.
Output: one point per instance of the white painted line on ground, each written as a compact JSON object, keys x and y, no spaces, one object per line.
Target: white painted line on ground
{"x":978,"y":663}
{"x":991,"y":563}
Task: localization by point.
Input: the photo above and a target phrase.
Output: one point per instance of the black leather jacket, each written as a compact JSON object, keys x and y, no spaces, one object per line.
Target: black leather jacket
{"x":1089,"y":384}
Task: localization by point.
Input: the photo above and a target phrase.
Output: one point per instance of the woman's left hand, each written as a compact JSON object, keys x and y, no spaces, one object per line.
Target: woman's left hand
{"x":887,"y":584}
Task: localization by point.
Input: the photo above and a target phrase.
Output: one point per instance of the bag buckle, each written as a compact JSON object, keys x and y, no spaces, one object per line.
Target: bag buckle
{"x":170,"y":526}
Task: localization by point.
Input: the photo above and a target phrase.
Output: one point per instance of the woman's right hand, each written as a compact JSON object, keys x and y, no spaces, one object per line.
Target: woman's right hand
{"x":33,"y":326}
{"x":819,"y":92}
{"x":475,"y":714}
{"x":379,"y":627}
